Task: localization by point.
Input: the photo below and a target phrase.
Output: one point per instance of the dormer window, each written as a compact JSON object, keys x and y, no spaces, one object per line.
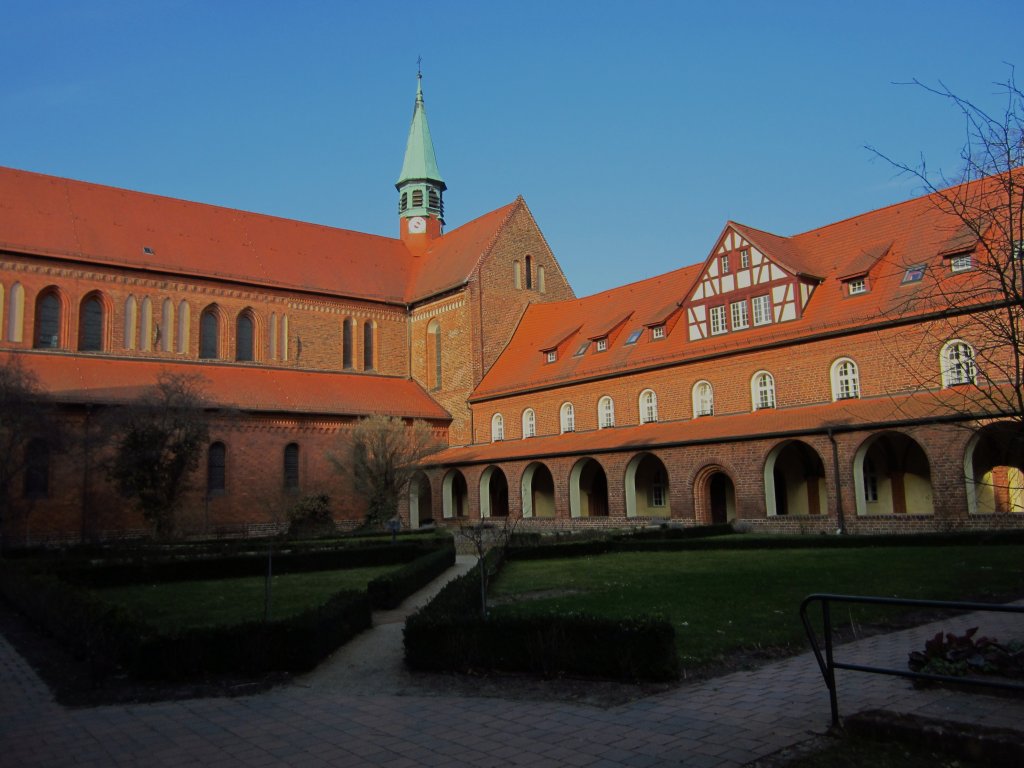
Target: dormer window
{"x":745,"y":258}
{"x":552,"y":355}
{"x":960,"y":262}
{"x":602,"y":344}
{"x":913,"y":274}
{"x":634,"y":337}
{"x":658,"y":332}
{"x":725,"y":265}
{"x":857,"y":285}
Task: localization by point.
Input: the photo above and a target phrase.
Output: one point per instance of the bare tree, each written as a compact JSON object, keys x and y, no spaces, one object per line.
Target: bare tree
{"x":380,"y":456}
{"x":29,"y":432}
{"x":978,"y":293}
{"x":484,"y":537}
{"x":159,"y":441}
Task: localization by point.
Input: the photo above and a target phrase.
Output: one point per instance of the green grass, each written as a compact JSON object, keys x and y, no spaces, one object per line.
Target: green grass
{"x":721,"y":602}
{"x":185,"y":604}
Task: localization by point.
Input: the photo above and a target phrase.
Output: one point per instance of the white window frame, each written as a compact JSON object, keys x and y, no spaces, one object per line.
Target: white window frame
{"x":605,"y":412}
{"x":762,"y":391}
{"x":725,"y":264}
{"x":857,"y":286}
{"x":845,"y":377}
{"x":552,"y":355}
{"x":960,"y":262}
{"x":648,"y":407}
{"x":658,"y":332}
{"x":958,"y":363}
{"x":567,"y":418}
{"x":602,"y":345}
{"x":762,"y":306}
{"x":497,"y":427}
{"x":703,"y":399}
{"x":744,"y":258}
{"x":719,"y":320}
{"x":740,"y":315}
{"x":529,"y":423}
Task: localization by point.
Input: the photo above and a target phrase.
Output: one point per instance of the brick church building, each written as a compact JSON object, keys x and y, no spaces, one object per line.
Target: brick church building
{"x":806,"y":383}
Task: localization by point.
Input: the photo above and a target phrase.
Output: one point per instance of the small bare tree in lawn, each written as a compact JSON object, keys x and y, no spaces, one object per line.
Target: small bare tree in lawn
{"x":159,"y":440}
{"x":485,"y":536}
{"x":27,"y":423}
{"x":971,"y":296}
{"x":380,"y":456}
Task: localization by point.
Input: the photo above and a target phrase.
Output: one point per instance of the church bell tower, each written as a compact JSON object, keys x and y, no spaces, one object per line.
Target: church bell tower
{"x":420,"y":187}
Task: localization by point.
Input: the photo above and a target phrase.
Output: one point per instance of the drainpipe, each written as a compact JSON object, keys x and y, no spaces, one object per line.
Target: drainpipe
{"x":839,"y":491}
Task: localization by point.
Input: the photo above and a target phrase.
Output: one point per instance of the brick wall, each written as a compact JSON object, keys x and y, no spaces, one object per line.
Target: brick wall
{"x":290,"y":329}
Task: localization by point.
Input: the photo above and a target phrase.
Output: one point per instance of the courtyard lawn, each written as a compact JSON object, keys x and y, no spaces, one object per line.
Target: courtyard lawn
{"x":186,"y":604}
{"x":723,"y":602}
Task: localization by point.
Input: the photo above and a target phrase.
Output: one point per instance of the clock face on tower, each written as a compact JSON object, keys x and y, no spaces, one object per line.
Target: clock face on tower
{"x":417,"y":224}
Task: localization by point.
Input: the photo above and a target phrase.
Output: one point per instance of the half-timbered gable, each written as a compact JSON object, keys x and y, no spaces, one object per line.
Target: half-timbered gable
{"x":751,"y":279}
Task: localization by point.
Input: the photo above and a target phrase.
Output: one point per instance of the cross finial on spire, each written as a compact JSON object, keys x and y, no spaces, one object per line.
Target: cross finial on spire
{"x":419,"y":67}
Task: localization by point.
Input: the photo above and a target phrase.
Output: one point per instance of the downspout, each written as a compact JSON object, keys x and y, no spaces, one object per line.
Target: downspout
{"x":840,"y":520}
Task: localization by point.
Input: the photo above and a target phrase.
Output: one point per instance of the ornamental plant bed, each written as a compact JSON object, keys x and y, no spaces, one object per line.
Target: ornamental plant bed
{"x":968,"y":656}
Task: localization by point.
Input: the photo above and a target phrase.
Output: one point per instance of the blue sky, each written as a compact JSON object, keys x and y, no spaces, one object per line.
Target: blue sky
{"x":633,"y":130}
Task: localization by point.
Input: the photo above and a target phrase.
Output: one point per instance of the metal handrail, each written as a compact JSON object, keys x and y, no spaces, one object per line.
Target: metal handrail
{"x":828,"y":665}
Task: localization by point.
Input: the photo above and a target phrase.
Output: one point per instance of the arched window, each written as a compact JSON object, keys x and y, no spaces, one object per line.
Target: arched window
{"x":243,"y":338}
{"x":529,"y":272}
{"x":434,"y":354}
{"x":167,"y":323}
{"x":529,"y":423}
{"x":90,"y":324}
{"x":16,"y":313}
{"x":541,"y":283}
{"x":282,"y":338}
{"x":605,"y":412}
{"x":209,"y":332}
{"x":762,"y":390}
{"x":648,"y":406}
{"x":37,"y":469}
{"x":131,"y":319}
{"x":291,"y":467}
{"x":703,"y":399}
{"x":184,"y":327}
{"x":347,"y":332}
{"x":368,"y":334}
{"x":146,"y":325}
{"x":216,"y":464}
{"x":47,"y":321}
{"x":517,"y":274}
{"x":845,"y":379}
{"x":958,"y":366}
{"x":568,"y":418}
{"x":497,"y":427}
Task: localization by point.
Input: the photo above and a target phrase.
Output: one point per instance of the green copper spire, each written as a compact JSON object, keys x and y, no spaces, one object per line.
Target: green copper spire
{"x":420,"y":187}
{"x":420,"y":163}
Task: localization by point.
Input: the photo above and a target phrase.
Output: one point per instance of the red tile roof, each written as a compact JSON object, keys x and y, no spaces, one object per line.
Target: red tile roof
{"x":885,"y":241}
{"x":51,"y":216}
{"x":95,"y":379}
{"x":843,"y":415}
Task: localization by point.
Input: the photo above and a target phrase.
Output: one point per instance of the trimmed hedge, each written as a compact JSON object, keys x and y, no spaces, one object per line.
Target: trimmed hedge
{"x":105,"y":574}
{"x":110,"y":637}
{"x":449,"y":635}
{"x":713,"y":537}
{"x":389,"y":591}
{"x":295,"y":644}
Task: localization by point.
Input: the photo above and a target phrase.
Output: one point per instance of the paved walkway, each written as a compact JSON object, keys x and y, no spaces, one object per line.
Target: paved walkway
{"x":335,"y":717}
